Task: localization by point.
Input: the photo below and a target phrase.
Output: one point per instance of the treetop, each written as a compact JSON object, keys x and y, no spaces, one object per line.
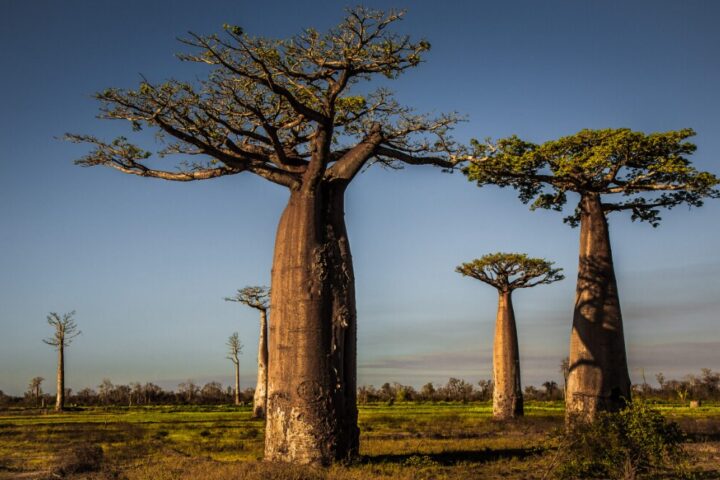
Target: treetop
{"x":65,"y":329}
{"x":649,"y":171}
{"x":256,"y":297}
{"x":235,"y":347}
{"x":509,"y":271}
{"x":283,"y":109}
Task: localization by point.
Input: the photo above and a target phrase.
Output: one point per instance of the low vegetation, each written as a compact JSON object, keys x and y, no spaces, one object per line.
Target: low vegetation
{"x":402,"y":440}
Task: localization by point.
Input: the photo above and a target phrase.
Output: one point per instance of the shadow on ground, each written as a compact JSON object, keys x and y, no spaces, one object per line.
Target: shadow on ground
{"x":454,"y":457}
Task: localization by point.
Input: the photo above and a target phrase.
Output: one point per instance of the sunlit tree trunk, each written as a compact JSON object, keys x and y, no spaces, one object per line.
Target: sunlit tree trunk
{"x":312,"y":412}
{"x":507,"y":392}
{"x":60,"y":397}
{"x":237,"y":383}
{"x":598,"y":378}
{"x":260,"y":398}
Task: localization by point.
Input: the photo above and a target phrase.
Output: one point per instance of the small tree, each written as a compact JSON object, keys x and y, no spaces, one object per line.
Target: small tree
{"x":258,"y":298}
{"x":188,"y":391}
{"x":508,"y":272}
{"x":35,"y":389}
{"x":649,"y":172}
{"x":65,"y":330}
{"x":234,"y":350}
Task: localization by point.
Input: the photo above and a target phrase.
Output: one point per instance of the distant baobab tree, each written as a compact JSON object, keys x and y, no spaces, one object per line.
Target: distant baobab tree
{"x":508,"y":272}
{"x":35,"y":389}
{"x":258,"y":298}
{"x":648,"y":172}
{"x":290,"y":111}
{"x":234,"y":350}
{"x":65,"y":330}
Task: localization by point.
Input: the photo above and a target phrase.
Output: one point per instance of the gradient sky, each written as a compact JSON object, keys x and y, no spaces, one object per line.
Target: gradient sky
{"x":146,"y":263}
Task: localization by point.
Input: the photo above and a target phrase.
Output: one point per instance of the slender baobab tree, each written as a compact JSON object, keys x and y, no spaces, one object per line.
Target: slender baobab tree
{"x":290,"y":111}
{"x":647,"y":172}
{"x":234,"y":350}
{"x":35,"y":389}
{"x":65,"y":330}
{"x":508,"y":272}
{"x":258,"y":298}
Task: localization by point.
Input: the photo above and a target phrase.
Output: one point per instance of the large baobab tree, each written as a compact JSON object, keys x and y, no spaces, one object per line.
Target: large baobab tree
{"x":508,"y":272}
{"x":647,"y":172}
{"x":258,"y":298}
{"x":65,"y":330}
{"x":234,"y":350}
{"x":289,"y":111}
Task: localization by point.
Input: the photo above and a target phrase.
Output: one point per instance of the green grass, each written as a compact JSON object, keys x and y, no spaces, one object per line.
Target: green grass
{"x":401,"y":441}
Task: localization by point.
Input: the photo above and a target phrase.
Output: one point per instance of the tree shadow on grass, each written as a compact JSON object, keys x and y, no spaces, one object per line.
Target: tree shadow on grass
{"x":454,"y":457}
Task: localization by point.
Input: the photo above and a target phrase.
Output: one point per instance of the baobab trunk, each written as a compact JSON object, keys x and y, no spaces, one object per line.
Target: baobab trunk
{"x":312,"y":411}
{"x":260,"y":398}
{"x":598,"y":377}
{"x":237,"y":383}
{"x":60,"y":398}
{"x":507,"y":392}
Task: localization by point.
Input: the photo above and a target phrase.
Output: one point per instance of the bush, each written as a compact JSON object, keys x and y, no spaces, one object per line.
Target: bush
{"x":622,"y":445}
{"x":80,"y":459}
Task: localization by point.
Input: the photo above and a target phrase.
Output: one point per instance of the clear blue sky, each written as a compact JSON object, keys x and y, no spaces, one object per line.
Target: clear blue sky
{"x":146,"y":263}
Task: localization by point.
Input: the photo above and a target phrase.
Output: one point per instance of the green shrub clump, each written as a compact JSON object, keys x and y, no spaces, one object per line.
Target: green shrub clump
{"x":627,"y":444}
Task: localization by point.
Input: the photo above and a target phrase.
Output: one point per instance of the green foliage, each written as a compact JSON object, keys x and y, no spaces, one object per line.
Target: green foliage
{"x":263,"y":101}
{"x":636,"y":440}
{"x":649,"y":170}
{"x":508,"y":271}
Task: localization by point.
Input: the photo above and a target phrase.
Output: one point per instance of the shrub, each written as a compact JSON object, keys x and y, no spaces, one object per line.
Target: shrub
{"x":622,"y":445}
{"x":80,"y":459}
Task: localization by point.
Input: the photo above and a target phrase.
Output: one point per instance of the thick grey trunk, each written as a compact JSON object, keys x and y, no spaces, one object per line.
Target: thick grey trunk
{"x":507,"y":391}
{"x":311,"y":408}
{"x":260,"y":398}
{"x":60,"y":397}
{"x":598,"y":379}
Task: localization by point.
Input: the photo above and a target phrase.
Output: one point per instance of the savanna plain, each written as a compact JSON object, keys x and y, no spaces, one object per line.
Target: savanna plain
{"x":441,"y":440}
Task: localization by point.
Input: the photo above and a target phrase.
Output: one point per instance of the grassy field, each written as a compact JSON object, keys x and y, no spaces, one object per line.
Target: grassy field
{"x":402,"y":441}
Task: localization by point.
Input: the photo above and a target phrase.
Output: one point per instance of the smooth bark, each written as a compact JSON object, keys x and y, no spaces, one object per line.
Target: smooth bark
{"x":237,"y":383}
{"x":507,"y":391}
{"x":312,"y":411}
{"x":598,"y":377}
{"x":60,"y":397}
{"x":260,"y":398}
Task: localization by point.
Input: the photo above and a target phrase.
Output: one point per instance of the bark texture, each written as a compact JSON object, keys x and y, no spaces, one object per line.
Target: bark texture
{"x":260,"y":398}
{"x":598,"y":377}
{"x":312,"y":411}
{"x":60,"y":397}
{"x":507,"y":392}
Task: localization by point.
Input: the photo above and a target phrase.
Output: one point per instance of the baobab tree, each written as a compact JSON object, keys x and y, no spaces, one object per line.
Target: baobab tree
{"x":648,"y":172}
{"x":35,"y":389}
{"x":65,"y":330}
{"x":234,"y":350}
{"x":289,"y":111}
{"x":258,"y":298}
{"x":508,"y":272}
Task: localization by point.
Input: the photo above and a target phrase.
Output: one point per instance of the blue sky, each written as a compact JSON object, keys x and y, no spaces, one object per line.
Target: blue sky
{"x":147,"y":263}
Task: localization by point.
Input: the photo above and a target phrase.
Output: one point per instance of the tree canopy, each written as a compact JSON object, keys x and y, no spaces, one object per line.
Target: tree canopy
{"x":254,"y":297}
{"x":509,"y":271}
{"x":235,"y":347}
{"x":648,"y":171}
{"x":65,"y":329}
{"x":281,"y":109}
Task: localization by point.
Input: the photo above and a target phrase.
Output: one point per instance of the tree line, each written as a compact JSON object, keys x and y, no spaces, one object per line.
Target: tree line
{"x":704,"y":386}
